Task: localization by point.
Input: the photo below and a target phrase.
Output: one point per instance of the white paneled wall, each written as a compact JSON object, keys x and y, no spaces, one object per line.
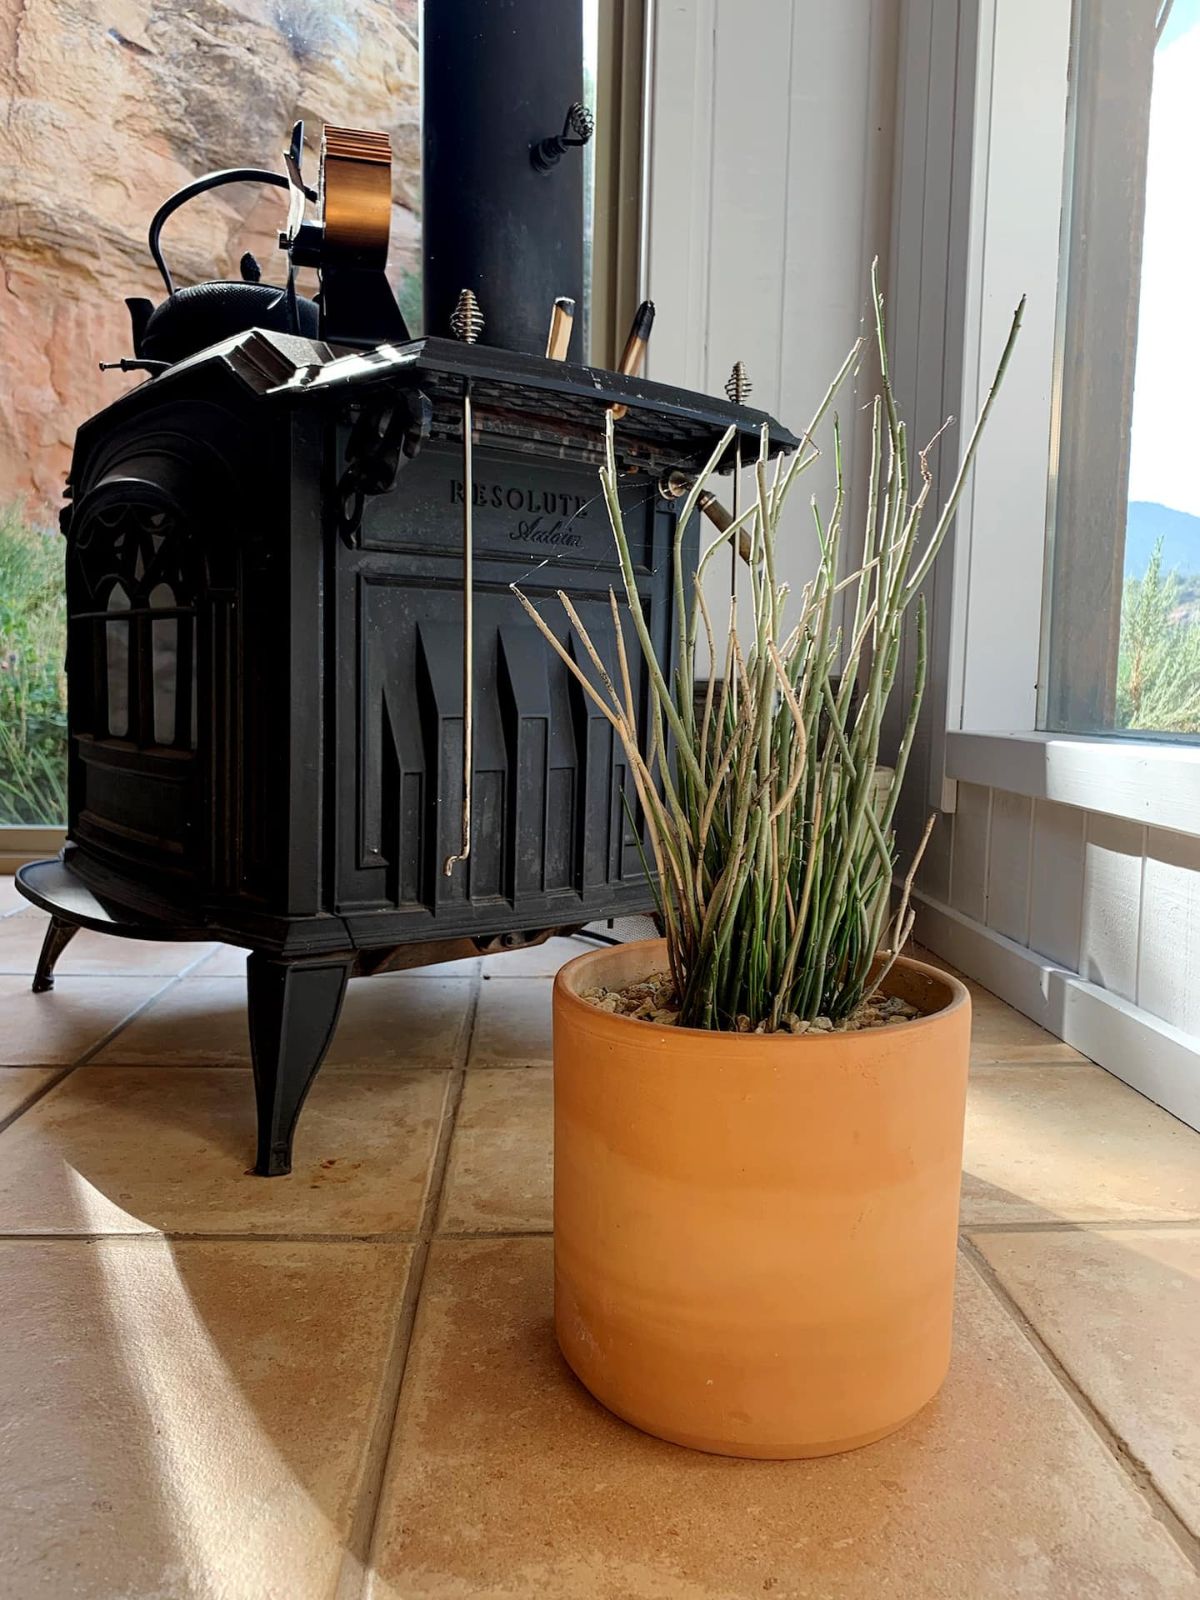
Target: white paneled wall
{"x":769,"y":148}
{"x":1107,"y":898}
{"x":1057,"y":860}
{"x":1169,"y":944}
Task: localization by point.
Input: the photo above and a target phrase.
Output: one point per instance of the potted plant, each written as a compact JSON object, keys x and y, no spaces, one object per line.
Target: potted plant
{"x":759,"y":1117}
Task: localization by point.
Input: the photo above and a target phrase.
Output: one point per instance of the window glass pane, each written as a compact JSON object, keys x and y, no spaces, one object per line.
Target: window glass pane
{"x":33,"y":707}
{"x":1158,"y":684}
{"x":164,"y":648}
{"x":1124,"y":640}
{"x":116,"y":637}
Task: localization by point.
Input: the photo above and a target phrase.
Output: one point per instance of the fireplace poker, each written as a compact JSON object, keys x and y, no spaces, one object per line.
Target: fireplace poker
{"x":634,"y":353}
{"x":737,"y":387}
{"x":466,"y":323}
{"x":562,"y":320}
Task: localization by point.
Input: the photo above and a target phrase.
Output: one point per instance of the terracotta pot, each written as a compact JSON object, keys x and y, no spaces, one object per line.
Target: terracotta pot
{"x":754,"y":1236}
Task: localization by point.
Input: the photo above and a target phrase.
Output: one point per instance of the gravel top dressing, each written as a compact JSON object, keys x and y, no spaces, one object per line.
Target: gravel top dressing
{"x":653,"y":999}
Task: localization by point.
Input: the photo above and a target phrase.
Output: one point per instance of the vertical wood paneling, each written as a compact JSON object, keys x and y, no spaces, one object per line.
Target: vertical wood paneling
{"x":1103,"y":896}
{"x":748,"y":242}
{"x":1008,"y":865}
{"x":934,"y":876}
{"x":1056,"y":881}
{"x":679,"y":133}
{"x":969,"y":873}
{"x":751,"y":190}
{"x":842,"y":59}
{"x":1169,"y":955}
{"x":1111,"y":909}
{"x":769,"y":135}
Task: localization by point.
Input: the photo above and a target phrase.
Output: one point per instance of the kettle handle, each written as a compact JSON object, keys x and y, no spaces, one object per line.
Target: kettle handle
{"x":211,"y":180}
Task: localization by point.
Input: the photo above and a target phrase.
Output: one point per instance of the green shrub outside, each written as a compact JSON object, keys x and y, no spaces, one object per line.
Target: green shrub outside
{"x":33,"y":684}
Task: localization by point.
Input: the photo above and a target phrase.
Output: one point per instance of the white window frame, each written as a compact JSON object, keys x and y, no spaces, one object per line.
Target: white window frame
{"x":1009,"y":234}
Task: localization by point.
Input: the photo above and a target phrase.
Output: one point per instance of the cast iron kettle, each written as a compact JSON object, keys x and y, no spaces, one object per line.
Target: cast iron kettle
{"x":193,"y":318}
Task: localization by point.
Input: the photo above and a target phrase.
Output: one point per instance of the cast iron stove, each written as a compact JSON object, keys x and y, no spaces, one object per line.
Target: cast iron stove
{"x":265,"y":592}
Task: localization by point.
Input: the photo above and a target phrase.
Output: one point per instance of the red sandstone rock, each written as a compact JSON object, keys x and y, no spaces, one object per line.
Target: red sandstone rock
{"x":106,"y":107}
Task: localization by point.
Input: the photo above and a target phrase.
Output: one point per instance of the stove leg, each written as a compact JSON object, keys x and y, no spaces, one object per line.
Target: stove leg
{"x":294,"y":1008}
{"x":58,"y":936}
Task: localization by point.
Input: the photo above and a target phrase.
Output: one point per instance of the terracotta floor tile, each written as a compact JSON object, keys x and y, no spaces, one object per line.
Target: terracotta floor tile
{"x":501,"y":1160}
{"x":385,"y":1022}
{"x":226,"y":961}
{"x":512,"y":1027}
{"x":1121,"y":1311}
{"x":198,"y":1021}
{"x":137,"y":1149}
{"x":21,"y":943}
{"x":467,"y":967}
{"x":11,"y":898}
{"x":1001,"y":1034}
{"x":506,"y":1478}
{"x":541,"y":961}
{"x":402,"y":1020}
{"x":1053,"y":1142}
{"x":229,"y":961}
{"x":188,"y":1420}
{"x":57,"y":1028}
{"x":19,"y":1084}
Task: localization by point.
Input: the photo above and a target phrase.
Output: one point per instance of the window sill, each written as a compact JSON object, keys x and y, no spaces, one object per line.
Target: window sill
{"x":1145,"y":780}
{"x":19,"y":844}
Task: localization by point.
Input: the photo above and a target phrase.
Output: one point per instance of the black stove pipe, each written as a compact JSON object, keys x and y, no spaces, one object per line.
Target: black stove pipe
{"x":498,"y":77}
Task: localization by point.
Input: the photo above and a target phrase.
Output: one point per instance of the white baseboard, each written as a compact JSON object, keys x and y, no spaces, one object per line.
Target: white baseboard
{"x":1153,"y":1057}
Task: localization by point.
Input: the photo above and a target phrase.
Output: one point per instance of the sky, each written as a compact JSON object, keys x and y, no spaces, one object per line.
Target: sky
{"x":1165,"y":452}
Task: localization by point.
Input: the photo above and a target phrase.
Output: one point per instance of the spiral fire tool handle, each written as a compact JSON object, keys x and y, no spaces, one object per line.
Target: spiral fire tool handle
{"x":634,"y":353}
{"x":466,"y":323}
{"x":562,"y":320}
{"x":737,"y":387}
{"x":578,"y":127}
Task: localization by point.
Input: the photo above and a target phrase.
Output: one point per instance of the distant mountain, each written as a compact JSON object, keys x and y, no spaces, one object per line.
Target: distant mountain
{"x":1179,"y":532}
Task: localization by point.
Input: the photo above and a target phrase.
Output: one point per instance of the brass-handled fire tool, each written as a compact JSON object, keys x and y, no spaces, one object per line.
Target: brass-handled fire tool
{"x":678,"y":484}
{"x":466,"y":323}
{"x":634,"y":353}
{"x":562,"y":320}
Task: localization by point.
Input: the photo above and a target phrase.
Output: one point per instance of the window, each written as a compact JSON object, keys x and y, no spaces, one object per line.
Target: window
{"x":1124,"y":603}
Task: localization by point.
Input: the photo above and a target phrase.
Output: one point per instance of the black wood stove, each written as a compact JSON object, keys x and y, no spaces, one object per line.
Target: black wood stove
{"x":307,"y":714}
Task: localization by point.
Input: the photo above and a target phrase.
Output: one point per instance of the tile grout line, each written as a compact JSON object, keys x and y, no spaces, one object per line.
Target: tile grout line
{"x":180,"y":1237}
{"x":355,"y":1573}
{"x":1132,"y":1467}
{"x":967,"y":1232}
{"x":35,"y":1095}
{"x":1083,"y":1225}
{"x":418,"y":1064}
{"x":174,"y":1236}
{"x":93,"y":1049}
